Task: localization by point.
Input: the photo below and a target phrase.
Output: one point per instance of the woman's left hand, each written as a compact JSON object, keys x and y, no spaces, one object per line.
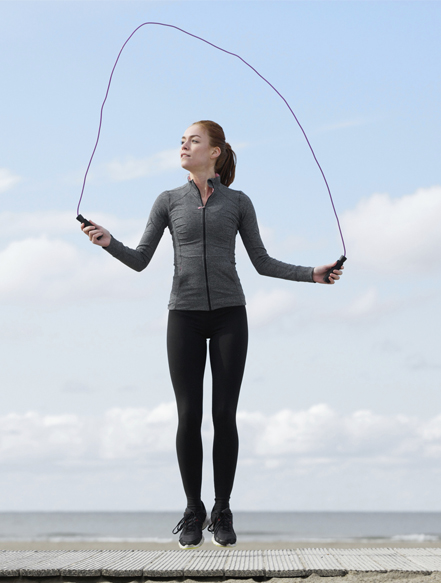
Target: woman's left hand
{"x":319,"y":273}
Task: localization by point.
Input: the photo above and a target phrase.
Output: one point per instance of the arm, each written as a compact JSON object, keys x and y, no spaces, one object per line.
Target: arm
{"x":138,"y":258}
{"x":264,"y":264}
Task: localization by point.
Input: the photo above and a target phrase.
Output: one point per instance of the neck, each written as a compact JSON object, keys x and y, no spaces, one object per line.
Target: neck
{"x":201,"y":178}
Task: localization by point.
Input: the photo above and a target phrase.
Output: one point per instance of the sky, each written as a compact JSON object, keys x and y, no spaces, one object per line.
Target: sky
{"x":340,"y":406}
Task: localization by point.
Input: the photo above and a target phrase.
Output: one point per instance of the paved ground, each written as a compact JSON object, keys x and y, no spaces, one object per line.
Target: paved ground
{"x":365,"y":564}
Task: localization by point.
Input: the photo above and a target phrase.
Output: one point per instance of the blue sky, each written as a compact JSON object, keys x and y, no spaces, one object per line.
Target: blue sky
{"x":341,"y":402}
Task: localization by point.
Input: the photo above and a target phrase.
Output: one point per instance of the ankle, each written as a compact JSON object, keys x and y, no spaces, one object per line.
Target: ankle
{"x":219,"y":505}
{"x":195,"y":505}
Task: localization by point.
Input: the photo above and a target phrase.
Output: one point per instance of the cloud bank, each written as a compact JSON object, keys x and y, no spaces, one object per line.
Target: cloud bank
{"x":396,"y":236}
{"x":309,"y":437}
{"x":7,"y":179}
{"x":133,"y":168}
{"x":43,"y":270}
{"x":314,"y":459}
{"x":45,"y":266}
{"x":349,"y":123}
{"x":267,"y":306}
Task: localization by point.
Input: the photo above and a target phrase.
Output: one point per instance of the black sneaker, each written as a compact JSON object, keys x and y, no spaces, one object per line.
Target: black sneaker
{"x":191,"y":525}
{"x":222,"y":528}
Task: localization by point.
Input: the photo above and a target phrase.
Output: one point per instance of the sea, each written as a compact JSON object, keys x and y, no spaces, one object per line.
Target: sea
{"x":250,"y":526}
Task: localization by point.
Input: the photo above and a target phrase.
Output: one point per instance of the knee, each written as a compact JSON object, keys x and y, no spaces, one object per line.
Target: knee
{"x":224,"y":417}
{"x":190,"y":419}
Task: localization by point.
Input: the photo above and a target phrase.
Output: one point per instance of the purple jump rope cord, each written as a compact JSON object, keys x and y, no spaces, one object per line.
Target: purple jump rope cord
{"x":243,"y":61}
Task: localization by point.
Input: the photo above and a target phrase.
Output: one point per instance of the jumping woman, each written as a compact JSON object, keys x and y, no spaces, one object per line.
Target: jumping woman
{"x":207,"y":302}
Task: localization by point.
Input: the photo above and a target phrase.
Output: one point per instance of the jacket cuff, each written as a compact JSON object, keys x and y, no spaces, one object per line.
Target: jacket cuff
{"x":111,"y":246}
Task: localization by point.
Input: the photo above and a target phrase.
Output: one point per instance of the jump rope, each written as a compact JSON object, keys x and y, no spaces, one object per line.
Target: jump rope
{"x":88,"y":223}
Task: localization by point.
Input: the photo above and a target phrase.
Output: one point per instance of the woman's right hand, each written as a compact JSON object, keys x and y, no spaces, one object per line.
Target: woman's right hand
{"x":97,"y":231}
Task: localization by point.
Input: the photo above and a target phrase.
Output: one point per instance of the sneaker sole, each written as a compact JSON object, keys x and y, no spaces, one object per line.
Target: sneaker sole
{"x":219,"y":544}
{"x":189,"y":547}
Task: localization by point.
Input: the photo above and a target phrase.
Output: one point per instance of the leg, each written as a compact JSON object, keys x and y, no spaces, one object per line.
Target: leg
{"x":187,"y":349}
{"x":228,"y":349}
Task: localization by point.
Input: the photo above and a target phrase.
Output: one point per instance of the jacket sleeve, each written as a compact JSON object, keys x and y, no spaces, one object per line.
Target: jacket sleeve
{"x":264,"y":264}
{"x":139,"y":258}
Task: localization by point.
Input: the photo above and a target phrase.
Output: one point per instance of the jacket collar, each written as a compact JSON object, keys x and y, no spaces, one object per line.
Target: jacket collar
{"x":213,"y":182}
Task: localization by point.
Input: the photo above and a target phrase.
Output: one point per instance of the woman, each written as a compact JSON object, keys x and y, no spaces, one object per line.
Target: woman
{"x":206,"y":302}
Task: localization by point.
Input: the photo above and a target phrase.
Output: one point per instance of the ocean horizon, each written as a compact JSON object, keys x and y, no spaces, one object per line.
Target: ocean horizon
{"x":265,"y":526}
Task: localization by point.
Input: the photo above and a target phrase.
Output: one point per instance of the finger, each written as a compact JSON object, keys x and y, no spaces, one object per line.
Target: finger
{"x":92,"y":233}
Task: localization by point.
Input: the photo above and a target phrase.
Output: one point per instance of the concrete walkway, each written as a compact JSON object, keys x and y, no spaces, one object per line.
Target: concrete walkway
{"x":227,"y":563}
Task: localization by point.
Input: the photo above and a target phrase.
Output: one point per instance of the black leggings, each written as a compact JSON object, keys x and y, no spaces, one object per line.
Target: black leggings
{"x":187,"y":335}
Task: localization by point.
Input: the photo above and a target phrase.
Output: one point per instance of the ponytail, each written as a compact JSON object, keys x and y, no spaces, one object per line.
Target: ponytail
{"x":227,"y":166}
{"x":226,"y":162}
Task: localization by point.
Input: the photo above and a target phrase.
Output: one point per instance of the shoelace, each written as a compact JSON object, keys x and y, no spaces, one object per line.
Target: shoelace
{"x":189,"y":521}
{"x":223,"y":522}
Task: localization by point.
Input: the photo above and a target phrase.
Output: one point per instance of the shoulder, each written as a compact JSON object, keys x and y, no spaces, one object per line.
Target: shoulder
{"x":231,"y":192}
{"x":238,"y":196}
{"x":169,"y":196}
{"x":175,"y":194}
{"x":178,"y":191}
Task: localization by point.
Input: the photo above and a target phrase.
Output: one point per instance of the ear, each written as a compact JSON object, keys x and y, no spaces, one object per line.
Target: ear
{"x":215,"y":153}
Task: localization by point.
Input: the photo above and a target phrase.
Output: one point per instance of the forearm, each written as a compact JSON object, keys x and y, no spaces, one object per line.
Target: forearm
{"x":266,"y":265}
{"x":134,"y":258}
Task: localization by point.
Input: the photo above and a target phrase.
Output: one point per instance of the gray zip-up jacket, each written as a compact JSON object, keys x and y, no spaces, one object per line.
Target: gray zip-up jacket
{"x":204,"y":239}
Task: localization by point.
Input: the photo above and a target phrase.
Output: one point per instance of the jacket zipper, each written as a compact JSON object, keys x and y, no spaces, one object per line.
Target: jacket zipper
{"x":205,"y":257}
{"x":205,"y":249}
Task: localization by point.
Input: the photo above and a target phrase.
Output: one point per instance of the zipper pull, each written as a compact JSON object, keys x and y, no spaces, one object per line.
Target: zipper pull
{"x":200,"y":207}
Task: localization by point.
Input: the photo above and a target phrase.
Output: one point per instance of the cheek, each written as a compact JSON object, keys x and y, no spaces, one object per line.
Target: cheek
{"x":199,"y":154}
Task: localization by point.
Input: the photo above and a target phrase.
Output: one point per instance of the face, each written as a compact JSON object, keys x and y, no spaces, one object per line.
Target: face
{"x":196,"y":152}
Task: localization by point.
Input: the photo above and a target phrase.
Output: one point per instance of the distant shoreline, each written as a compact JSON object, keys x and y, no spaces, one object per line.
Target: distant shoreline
{"x":246,"y":545}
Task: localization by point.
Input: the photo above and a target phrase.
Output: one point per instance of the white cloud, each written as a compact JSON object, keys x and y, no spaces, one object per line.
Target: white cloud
{"x":318,"y":435}
{"x":265,"y":307}
{"x":314,"y":459}
{"x":135,"y":433}
{"x":45,"y":267}
{"x":364,"y":304}
{"x":60,"y":223}
{"x":7,"y":179}
{"x":118,"y":434}
{"x":29,"y":265}
{"x":52,"y":270}
{"x":396,"y":236}
{"x":350,"y":123}
{"x":132,"y":168}
{"x":41,"y":437}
